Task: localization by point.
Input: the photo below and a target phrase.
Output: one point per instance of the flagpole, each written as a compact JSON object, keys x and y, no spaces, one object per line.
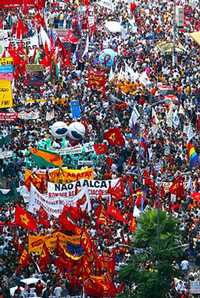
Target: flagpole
{"x":83,"y":295}
{"x":174,"y":36}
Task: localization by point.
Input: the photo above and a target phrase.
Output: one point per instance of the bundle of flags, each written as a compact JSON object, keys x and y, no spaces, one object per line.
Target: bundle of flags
{"x":192,"y":155}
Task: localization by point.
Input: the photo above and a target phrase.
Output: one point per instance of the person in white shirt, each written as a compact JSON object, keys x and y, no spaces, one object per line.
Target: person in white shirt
{"x":184,"y":265}
{"x":57,"y":291}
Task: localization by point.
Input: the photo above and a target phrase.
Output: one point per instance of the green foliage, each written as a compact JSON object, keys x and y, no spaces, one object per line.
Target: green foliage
{"x":150,"y":272}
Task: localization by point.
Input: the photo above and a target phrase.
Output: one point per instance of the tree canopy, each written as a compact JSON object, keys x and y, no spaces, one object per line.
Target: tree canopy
{"x":156,"y":244}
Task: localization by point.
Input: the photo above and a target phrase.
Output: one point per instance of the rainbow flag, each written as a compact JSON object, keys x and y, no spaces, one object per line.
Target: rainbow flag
{"x":193,"y":156}
{"x":46,"y":159}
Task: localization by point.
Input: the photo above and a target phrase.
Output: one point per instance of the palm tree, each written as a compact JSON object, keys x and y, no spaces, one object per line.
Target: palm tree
{"x":157,"y":243}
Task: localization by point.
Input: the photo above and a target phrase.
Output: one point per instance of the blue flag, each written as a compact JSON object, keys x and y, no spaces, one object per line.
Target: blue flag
{"x":75,"y":109}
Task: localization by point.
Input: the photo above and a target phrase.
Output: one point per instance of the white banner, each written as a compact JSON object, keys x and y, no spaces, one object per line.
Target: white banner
{"x":6,"y":154}
{"x":88,"y":147}
{"x":107,"y":4}
{"x":54,"y":205}
{"x":195,"y":287}
{"x":95,"y":188}
{"x":29,"y":115}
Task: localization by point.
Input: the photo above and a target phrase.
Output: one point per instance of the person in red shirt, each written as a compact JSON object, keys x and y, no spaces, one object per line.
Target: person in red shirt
{"x":39,"y":288}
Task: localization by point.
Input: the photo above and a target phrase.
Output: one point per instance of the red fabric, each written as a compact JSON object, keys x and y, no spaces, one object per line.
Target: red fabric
{"x":195,"y":196}
{"x":85,"y":268}
{"x":162,"y":192}
{"x":14,"y":3}
{"x":117,"y":191}
{"x":177,"y":187}
{"x":20,"y":49}
{"x":63,"y":264}
{"x":108,"y":263}
{"x":39,"y":19}
{"x":114,"y":137}
{"x":21,"y":29}
{"x":101,"y":215}
{"x":121,"y":106}
{"x":86,"y":2}
{"x":109,"y":161}
{"x":130,"y":184}
{"x":150,"y":183}
{"x":198,"y":123}
{"x":87,"y":243}
{"x":114,"y":212}
{"x":100,"y":148}
{"x":66,"y":224}
{"x":25,"y":7}
{"x":24,"y":219}
{"x":97,"y":80}
{"x":43,"y":218}
{"x":132,"y":225}
{"x":44,"y":259}
{"x":24,"y":259}
{"x":73,"y":212}
{"x":70,"y":37}
{"x":132,"y":7}
{"x":100,"y":286}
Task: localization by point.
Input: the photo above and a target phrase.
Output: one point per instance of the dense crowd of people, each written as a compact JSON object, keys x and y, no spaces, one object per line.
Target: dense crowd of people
{"x":154,"y":102}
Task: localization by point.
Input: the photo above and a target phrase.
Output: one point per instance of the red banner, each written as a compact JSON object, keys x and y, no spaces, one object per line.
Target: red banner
{"x":14,"y":3}
{"x":10,"y":117}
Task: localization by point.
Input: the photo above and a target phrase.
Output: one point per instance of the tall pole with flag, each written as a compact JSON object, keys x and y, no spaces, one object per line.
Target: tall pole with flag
{"x":174,"y":36}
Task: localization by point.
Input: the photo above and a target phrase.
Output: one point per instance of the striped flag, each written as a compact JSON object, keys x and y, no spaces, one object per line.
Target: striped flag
{"x":46,"y":159}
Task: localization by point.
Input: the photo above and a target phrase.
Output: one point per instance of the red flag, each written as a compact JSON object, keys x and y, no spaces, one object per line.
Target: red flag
{"x":114,"y":212}
{"x":75,"y":213}
{"x":130,"y":183}
{"x":177,"y":187}
{"x":149,"y":182}
{"x":133,"y":6}
{"x":24,"y":219}
{"x":67,"y":59}
{"x":66,"y":223}
{"x":25,"y":7}
{"x":162,"y":192}
{"x":43,"y":218}
{"x":20,"y":49}
{"x":44,"y":259}
{"x":86,"y":3}
{"x":64,"y":264}
{"x":114,"y":137}
{"x":117,"y":191}
{"x":24,"y":259}
{"x":132,"y":225}
{"x":101,"y":215}
{"x":39,"y":19}
{"x":100,"y":148}
{"x":87,"y":243}
{"x":108,"y":262}
{"x":86,"y":268}
{"x":92,"y":288}
{"x":195,"y":196}
{"x":100,"y":286}
{"x":21,"y":29}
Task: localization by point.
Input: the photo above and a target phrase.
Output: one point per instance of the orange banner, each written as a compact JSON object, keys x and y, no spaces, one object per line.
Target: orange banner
{"x":35,"y":243}
{"x":62,"y":175}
